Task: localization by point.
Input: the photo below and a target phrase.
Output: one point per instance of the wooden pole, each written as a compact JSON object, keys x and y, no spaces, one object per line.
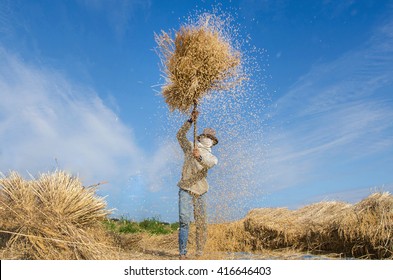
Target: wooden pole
{"x":195,"y":123}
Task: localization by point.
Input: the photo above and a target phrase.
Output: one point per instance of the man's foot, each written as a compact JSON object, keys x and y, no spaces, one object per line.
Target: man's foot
{"x":182,"y":257}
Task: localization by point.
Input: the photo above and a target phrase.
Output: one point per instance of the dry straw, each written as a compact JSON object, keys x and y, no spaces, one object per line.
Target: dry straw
{"x":367,"y":229}
{"x":329,"y":228}
{"x":52,"y":217}
{"x":363,"y":230}
{"x":198,"y":60}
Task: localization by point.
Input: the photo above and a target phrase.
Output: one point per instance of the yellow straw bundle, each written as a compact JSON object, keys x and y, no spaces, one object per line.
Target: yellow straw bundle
{"x":52,"y":217}
{"x":197,"y":61}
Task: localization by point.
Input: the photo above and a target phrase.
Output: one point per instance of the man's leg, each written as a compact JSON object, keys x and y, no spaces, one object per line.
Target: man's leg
{"x":185,"y":214}
{"x":200,"y":222}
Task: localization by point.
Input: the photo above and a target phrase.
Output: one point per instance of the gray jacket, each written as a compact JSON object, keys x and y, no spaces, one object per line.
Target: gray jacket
{"x":194,"y":173}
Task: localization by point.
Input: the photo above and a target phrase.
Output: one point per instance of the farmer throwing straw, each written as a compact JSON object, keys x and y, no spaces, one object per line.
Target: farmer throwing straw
{"x":197,"y":61}
{"x":193,"y":184}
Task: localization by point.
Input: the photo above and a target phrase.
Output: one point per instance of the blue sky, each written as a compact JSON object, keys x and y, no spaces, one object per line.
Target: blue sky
{"x":80,"y":90}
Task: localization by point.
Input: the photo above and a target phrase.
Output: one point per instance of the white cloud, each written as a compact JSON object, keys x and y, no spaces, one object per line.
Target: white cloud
{"x":351,"y":195}
{"x":46,"y":119}
{"x":163,"y":166}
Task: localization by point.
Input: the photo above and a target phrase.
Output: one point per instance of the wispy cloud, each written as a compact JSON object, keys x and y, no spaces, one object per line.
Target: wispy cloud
{"x":46,"y":120}
{"x":45,"y":117}
{"x":339,"y":111}
{"x":351,"y":195}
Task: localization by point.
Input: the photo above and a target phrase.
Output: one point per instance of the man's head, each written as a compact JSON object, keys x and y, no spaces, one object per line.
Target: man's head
{"x":208,"y":133}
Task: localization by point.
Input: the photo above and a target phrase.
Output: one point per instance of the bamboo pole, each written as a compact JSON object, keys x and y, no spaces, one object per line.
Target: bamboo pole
{"x":195,"y":123}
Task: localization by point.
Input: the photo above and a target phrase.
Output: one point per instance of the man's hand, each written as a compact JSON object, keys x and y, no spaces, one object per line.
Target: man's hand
{"x":196,"y":153}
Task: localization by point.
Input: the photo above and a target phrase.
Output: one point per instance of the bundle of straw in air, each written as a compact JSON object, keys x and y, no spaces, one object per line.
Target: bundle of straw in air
{"x":199,"y":60}
{"x":52,"y":217}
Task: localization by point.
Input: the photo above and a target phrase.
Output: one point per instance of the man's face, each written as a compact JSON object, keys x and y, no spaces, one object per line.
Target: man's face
{"x":206,"y":141}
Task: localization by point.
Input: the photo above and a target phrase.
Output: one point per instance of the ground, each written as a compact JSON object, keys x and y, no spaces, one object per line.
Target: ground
{"x":143,"y":246}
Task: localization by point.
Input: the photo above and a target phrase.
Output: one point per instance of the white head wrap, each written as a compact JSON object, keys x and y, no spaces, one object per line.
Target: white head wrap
{"x":205,"y":141}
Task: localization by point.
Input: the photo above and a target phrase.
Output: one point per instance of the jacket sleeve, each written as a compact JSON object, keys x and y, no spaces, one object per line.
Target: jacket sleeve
{"x":209,"y":160}
{"x":182,"y":137}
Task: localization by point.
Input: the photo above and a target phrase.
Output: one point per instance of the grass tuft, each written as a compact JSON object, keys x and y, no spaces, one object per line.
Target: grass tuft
{"x":150,"y":225}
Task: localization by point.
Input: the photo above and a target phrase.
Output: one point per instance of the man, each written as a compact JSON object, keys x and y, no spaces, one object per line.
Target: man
{"x":193,"y":184}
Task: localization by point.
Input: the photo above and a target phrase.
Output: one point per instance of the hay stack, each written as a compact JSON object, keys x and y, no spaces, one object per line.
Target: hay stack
{"x":272,"y":227}
{"x":200,"y":59}
{"x":53,"y":217}
{"x":318,"y":224}
{"x":363,"y":230}
{"x":367,"y":230}
{"x":228,"y":237}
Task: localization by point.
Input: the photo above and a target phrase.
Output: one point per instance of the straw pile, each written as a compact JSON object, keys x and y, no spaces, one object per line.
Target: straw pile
{"x":228,"y":237}
{"x":331,"y":229}
{"x":363,"y":230}
{"x":53,"y":217}
{"x":200,"y":59}
{"x":367,"y":230}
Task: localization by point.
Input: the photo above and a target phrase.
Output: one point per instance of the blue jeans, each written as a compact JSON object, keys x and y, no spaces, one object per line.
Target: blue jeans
{"x":189,"y":205}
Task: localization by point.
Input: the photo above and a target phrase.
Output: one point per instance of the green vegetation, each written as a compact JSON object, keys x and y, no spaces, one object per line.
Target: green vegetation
{"x":150,"y":225}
